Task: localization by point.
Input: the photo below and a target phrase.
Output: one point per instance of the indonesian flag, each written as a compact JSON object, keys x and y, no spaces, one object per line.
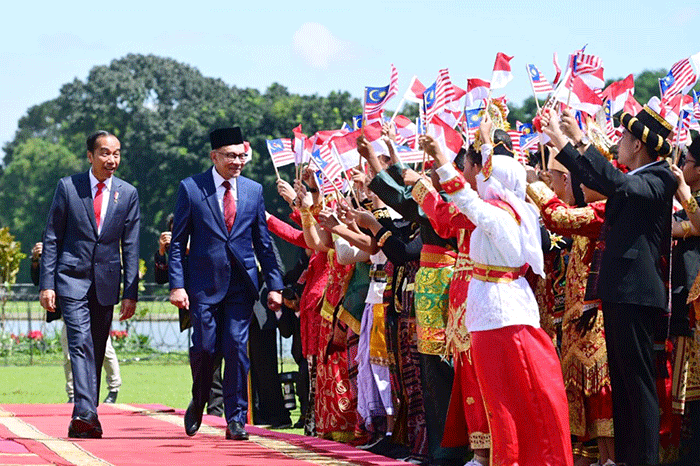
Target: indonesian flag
{"x":345,"y":146}
{"x":449,"y":140}
{"x":557,"y":68}
{"x":617,"y":93}
{"x":477,"y":90}
{"x":631,"y":105}
{"x":583,"y":98}
{"x":501,"y":71}
{"x":298,"y":145}
{"x":280,"y":151}
{"x":415,"y":90}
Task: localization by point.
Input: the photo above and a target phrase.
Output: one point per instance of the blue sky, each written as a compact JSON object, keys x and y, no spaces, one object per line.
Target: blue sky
{"x":317,"y":47}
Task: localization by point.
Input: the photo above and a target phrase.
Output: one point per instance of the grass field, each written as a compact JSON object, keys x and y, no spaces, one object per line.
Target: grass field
{"x":151,"y":381}
{"x":162,"y":309}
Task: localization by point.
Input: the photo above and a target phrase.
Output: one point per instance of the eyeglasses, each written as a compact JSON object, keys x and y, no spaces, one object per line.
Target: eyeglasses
{"x":232,"y":155}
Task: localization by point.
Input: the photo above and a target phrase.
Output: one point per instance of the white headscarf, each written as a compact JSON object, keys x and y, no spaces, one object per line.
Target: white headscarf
{"x":507,"y":183}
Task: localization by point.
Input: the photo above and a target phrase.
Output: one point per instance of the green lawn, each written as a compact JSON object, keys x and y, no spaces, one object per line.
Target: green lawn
{"x":162,"y":309}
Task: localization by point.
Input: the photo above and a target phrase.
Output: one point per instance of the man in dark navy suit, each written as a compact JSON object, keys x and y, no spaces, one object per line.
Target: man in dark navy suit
{"x":633,"y":276}
{"x":92,"y":235}
{"x":220,"y":217}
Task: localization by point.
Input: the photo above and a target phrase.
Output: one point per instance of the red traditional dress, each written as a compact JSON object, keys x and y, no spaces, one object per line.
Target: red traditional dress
{"x":517,"y":368}
{"x":466,"y":420}
{"x":584,"y":358}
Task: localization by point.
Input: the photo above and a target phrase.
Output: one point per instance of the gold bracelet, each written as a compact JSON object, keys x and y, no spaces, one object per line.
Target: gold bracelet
{"x":690,"y":205}
{"x":382,"y":240}
{"x":307,"y":218}
{"x":685,"y":226}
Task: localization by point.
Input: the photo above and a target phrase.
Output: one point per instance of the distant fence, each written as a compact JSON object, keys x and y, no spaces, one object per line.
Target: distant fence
{"x":26,"y":337}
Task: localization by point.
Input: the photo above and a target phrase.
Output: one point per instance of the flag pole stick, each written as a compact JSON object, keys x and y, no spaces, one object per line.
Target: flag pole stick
{"x":677,"y":149}
{"x":398,"y":109}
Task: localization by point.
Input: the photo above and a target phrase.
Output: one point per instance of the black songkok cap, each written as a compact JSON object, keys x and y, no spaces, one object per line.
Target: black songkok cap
{"x":225,"y":137}
{"x":650,"y":128}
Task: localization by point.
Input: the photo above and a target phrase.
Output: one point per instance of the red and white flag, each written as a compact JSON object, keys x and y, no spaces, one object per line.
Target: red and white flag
{"x":502,"y":74}
{"x":557,"y":68}
{"x":449,"y":140}
{"x":582,"y":98}
{"x":631,"y":105}
{"x":477,"y":90}
{"x":415,"y":90}
{"x":617,"y":93}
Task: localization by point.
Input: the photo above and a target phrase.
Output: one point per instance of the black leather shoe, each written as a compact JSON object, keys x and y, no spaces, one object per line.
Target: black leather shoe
{"x":193,"y":419}
{"x":111,"y":397}
{"x":235,"y":431}
{"x":87,"y":426}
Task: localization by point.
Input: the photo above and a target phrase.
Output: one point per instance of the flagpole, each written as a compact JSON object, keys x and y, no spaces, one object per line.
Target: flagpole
{"x":677,"y":149}
{"x":398,"y":109}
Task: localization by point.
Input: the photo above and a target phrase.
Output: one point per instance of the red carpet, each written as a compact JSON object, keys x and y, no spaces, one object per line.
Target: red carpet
{"x":154,"y":435}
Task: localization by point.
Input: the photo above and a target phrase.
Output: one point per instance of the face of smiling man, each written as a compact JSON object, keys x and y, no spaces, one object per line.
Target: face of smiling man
{"x":105,"y":157}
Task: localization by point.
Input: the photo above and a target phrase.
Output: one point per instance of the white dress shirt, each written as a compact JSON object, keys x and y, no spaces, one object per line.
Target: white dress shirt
{"x":220,"y":190}
{"x":106,"y":191}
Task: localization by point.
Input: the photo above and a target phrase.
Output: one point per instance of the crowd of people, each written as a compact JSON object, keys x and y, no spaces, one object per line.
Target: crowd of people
{"x":505,"y":313}
{"x":474,"y":310}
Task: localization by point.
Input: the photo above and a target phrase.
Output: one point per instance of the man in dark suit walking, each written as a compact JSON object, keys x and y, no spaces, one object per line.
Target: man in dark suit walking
{"x":92,"y":235}
{"x":220,"y":217}
{"x":632,"y":273}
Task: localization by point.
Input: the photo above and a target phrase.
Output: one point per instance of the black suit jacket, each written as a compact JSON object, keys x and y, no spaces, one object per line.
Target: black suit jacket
{"x":637,"y":223}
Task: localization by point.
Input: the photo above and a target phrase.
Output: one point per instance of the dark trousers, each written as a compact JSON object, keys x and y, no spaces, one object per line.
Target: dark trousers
{"x":629,"y":337}
{"x":268,"y":404}
{"x":87,"y":326}
{"x":222,"y":328}
{"x":436,"y":381}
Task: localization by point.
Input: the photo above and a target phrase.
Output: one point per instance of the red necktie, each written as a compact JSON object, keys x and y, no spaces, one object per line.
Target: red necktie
{"x":97,"y":203}
{"x":229,"y":206}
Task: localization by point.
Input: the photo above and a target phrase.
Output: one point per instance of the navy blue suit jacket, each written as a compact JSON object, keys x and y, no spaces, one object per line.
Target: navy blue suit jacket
{"x":213,"y":251}
{"x":75,"y":256}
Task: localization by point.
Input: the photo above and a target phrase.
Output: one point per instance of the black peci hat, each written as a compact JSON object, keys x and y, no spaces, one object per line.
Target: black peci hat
{"x":225,"y":137}
{"x":650,"y":128}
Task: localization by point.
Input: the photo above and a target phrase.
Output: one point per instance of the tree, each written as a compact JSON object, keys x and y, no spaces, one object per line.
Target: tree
{"x":27,"y":187}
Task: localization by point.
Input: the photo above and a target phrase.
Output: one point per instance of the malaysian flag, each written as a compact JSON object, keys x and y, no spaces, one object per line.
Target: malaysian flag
{"x":377,"y":97}
{"x":681,"y":78}
{"x":325,"y":161}
{"x":408,"y":155}
{"x":280,"y":151}
{"x":588,"y":67}
{"x":539,"y":82}
{"x":436,"y":97}
{"x":472,"y":119}
{"x":515,"y":142}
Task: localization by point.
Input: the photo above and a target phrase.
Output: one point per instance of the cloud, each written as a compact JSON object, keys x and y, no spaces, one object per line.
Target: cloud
{"x":318,"y":46}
